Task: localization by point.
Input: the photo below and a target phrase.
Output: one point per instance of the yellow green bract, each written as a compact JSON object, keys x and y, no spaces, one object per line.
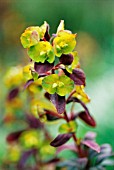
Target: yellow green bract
{"x":61,"y":85}
{"x":64,"y":43}
{"x":27,"y":71}
{"x":30,"y":139}
{"x":80,"y":94}
{"x":14,"y":153}
{"x":61,"y":26}
{"x":32,"y":35}
{"x":41,"y":52}
{"x":14,"y":76}
{"x":68,"y":127}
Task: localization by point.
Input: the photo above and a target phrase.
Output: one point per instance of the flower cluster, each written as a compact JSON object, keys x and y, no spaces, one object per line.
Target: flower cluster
{"x":54,"y":82}
{"x":52,"y":54}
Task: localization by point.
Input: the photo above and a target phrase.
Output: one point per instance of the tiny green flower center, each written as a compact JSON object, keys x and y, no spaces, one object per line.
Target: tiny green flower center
{"x":60,"y":84}
{"x":54,"y":85}
{"x":42,"y":53}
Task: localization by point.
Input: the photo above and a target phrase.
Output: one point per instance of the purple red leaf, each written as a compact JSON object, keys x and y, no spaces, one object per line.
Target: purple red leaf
{"x":61,"y":139}
{"x":13,"y":93}
{"x":59,"y":102}
{"x":66,"y":59}
{"x":29,"y":82}
{"x":14,"y":136}
{"x":78,"y":76}
{"x":87,"y":118}
{"x":51,"y":116}
{"x":42,"y":68}
{"x":84,"y":115}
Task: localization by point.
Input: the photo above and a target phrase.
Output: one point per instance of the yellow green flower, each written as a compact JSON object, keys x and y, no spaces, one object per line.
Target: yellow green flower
{"x":64,"y":42}
{"x":41,"y":52}
{"x":32,"y":35}
{"x":61,"y":85}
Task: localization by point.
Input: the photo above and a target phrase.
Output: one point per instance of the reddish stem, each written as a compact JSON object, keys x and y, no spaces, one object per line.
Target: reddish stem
{"x":56,"y":67}
{"x":70,"y":95}
{"x":78,"y":146}
{"x":66,"y":117}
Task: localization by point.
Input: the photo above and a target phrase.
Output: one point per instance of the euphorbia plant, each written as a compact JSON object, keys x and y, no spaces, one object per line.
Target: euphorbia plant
{"x":55,"y":64}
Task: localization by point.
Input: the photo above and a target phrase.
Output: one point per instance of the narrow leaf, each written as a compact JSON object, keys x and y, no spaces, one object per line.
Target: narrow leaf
{"x":91,"y":144}
{"x":74,"y":99}
{"x":84,"y":115}
{"x":61,"y":139}
{"x":59,"y":102}
{"x":42,"y":68}
{"x":13,"y":93}
{"x":14,"y":136}
{"x":78,"y":76}
{"x":28,"y":83}
{"x":51,"y":116}
{"x":87,"y":118}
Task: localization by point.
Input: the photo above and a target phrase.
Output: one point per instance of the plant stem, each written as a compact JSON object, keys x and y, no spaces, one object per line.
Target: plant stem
{"x":70,"y":95}
{"x":66,"y":117}
{"x":78,"y":146}
{"x":56,"y":67}
{"x":72,"y":113}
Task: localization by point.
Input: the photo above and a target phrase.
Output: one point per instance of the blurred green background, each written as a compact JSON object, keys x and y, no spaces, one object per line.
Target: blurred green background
{"x":93,"y":20}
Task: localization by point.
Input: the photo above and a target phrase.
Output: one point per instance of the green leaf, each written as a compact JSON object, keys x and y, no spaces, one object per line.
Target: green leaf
{"x":64,"y":43}
{"x":68,"y":127}
{"x":41,"y":52}
{"x":61,"y":85}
